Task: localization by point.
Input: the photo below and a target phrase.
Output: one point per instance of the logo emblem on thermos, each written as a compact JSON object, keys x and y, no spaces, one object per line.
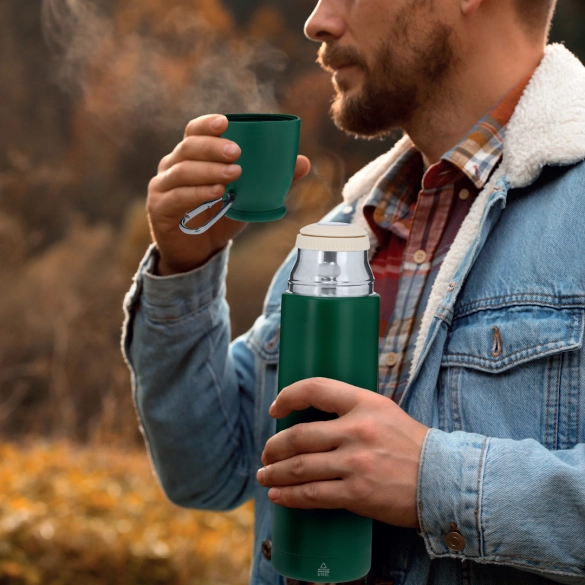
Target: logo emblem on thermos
{"x":323,"y":571}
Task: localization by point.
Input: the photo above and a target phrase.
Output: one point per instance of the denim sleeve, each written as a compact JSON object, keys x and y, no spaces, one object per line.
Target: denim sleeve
{"x":193,"y":390}
{"x":514,"y":502}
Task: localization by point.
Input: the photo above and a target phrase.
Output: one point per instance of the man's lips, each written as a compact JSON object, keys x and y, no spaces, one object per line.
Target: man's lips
{"x":338,"y":66}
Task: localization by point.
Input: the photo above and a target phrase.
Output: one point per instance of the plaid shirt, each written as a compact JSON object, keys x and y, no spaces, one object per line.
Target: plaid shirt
{"x":415,"y":227}
{"x":416,"y":215}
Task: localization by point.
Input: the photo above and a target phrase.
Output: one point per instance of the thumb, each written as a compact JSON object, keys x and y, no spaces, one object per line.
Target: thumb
{"x":303,"y":167}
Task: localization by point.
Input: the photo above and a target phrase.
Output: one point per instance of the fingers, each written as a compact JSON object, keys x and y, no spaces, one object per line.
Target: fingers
{"x":203,"y":148}
{"x":314,"y":437}
{"x":301,"y":469}
{"x":318,"y":494}
{"x":177,"y":201}
{"x":191,"y":173}
{"x":322,"y":393}
{"x":302,"y":167}
{"x":210,"y":125}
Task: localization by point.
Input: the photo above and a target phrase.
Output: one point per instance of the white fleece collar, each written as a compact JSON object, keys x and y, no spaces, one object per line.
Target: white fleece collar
{"x":547,"y":128}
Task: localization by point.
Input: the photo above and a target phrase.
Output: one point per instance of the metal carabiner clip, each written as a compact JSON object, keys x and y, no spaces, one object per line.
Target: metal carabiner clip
{"x":227,"y":203}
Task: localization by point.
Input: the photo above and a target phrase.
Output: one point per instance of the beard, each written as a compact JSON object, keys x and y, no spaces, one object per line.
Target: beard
{"x":406,"y":75}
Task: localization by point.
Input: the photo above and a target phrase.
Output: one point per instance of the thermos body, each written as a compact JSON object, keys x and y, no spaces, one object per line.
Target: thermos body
{"x":334,"y":337}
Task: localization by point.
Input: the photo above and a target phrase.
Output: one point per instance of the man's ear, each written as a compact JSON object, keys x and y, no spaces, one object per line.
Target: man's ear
{"x":470,"y":7}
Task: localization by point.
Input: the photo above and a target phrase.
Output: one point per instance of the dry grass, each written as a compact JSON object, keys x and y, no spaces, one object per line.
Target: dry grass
{"x":96,"y":516}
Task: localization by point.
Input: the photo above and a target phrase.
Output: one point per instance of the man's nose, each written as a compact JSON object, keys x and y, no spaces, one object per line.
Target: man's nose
{"x":326,"y":21}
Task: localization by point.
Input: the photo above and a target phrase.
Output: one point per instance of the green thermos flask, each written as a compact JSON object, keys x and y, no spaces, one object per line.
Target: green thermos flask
{"x":329,"y":328}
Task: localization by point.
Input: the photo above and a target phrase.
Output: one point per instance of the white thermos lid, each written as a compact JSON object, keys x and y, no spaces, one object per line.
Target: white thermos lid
{"x":333,"y":237}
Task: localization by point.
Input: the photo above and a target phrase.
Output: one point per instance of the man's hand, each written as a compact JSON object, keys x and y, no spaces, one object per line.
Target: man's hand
{"x":365,"y":461}
{"x":197,"y":170}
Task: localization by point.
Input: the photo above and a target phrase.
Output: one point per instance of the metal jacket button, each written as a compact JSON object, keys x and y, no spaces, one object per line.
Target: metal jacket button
{"x":454,"y":539}
{"x":267,"y":549}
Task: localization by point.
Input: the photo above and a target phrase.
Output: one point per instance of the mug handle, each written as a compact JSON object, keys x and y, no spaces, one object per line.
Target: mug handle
{"x":227,"y":203}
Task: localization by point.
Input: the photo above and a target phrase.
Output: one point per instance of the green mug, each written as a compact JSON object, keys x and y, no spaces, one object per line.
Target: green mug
{"x":270,"y":145}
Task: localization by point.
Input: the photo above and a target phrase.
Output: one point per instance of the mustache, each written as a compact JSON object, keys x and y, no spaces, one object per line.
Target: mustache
{"x":331,"y":56}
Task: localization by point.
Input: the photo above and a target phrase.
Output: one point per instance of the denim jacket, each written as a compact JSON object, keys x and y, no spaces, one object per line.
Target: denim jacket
{"x":498,"y":375}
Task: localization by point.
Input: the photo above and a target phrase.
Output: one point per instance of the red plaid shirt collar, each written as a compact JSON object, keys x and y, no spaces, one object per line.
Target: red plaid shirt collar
{"x":476,"y":156}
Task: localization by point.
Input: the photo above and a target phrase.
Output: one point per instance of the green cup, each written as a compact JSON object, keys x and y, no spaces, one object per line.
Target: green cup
{"x":270,"y":145}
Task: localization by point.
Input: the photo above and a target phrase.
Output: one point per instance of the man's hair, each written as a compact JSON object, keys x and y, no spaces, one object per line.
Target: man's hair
{"x":536,"y":14}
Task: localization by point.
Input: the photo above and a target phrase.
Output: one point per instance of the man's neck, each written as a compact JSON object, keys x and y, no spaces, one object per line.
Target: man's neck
{"x":471,"y":91}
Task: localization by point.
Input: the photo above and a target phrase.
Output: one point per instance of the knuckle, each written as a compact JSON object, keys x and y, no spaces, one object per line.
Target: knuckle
{"x":358,"y":463}
{"x":296,"y":434}
{"x":318,"y":384}
{"x":191,"y":127}
{"x":358,"y":489}
{"x":178,"y":172}
{"x":162,"y":163}
{"x":185,"y":147}
{"x":362,"y":432}
{"x":213,"y":172}
{"x":153,"y":185}
{"x":309,"y":492}
{"x":298,"y":467}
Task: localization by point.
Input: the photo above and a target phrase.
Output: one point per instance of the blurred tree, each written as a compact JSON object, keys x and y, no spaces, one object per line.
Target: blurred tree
{"x":85,"y":119}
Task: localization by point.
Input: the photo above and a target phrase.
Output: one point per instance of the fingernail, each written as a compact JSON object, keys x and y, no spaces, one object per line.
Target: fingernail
{"x":230,"y":170}
{"x":271,"y":409}
{"x":217,"y":123}
{"x":274,"y":493}
{"x":231,"y":149}
{"x":260,"y":475}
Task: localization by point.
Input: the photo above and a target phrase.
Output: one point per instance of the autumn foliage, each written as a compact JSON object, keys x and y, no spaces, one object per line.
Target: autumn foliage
{"x":96,"y":516}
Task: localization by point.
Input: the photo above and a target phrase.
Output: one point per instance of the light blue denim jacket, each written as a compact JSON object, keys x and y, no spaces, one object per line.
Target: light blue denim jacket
{"x":505,"y":458}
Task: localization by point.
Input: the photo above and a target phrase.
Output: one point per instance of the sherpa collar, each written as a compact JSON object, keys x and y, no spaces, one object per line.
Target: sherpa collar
{"x":547,"y":128}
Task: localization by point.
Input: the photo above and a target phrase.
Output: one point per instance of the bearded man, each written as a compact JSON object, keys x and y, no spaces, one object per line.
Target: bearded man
{"x":471,"y":458}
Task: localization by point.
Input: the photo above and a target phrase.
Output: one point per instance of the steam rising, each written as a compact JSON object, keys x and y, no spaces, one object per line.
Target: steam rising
{"x":157,"y":73}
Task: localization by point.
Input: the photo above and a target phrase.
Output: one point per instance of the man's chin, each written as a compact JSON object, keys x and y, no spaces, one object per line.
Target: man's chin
{"x":351,"y":120}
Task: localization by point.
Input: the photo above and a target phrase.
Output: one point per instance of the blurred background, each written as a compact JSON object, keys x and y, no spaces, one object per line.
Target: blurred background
{"x":92,"y":94}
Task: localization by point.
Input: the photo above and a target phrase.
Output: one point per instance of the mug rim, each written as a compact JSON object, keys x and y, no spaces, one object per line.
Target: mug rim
{"x":260,"y":117}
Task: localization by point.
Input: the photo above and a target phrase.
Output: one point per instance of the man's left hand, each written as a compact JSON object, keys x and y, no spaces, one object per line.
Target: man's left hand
{"x":365,"y":461}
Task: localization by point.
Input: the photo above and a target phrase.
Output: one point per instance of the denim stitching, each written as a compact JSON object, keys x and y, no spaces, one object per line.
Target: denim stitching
{"x":533,"y":564}
{"x":570,"y":440}
{"x":547,"y":440}
{"x":551,"y":345}
{"x":419,"y":490}
{"x":557,"y":390}
{"x":457,"y":403}
{"x":218,"y":391}
{"x":190,"y":315}
{"x":480,"y":469}
{"x":525,"y":300}
{"x":578,"y":394}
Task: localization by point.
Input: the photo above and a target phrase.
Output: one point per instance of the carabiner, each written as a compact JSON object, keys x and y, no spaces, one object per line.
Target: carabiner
{"x":227,"y":203}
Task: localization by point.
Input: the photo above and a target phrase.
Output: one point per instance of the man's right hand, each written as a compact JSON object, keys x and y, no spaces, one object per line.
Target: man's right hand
{"x":197,"y":170}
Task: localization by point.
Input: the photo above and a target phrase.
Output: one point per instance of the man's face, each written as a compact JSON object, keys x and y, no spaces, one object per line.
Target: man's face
{"x":400,"y":54}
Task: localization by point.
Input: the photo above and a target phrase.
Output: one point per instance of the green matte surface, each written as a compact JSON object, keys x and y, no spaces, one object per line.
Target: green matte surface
{"x":334,"y":338}
{"x":257,"y":216}
{"x":270,"y":145}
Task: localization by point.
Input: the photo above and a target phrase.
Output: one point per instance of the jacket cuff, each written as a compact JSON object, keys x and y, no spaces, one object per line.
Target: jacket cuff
{"x":178,"y":295}
{"x":449,"y":493}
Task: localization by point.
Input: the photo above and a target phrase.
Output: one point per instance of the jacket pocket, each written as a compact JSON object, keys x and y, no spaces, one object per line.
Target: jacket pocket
{"x":514,"y":372}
